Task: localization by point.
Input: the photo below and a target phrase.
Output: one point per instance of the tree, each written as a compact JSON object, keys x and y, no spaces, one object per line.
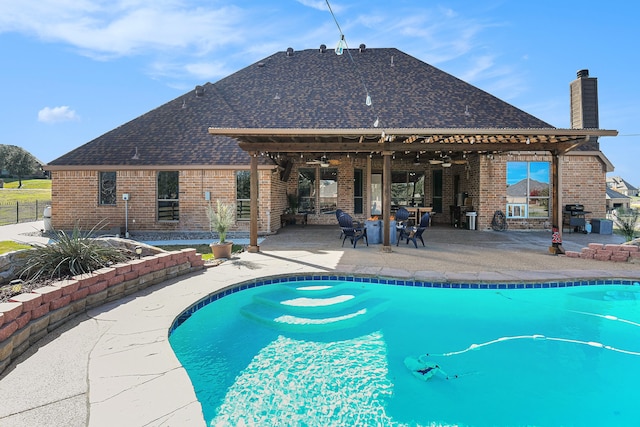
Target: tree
{"x":18,"y":162}
{"x":4,"y":154}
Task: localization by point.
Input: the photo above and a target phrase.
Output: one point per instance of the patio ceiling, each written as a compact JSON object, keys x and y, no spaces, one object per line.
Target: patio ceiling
{"x":559,"y":141}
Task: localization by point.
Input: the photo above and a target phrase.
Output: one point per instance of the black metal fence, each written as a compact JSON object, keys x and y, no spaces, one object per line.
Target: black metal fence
{"x":16,"y":212}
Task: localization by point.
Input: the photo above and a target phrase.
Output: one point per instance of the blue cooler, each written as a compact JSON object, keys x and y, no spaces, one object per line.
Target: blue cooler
{"x":602,"y":226}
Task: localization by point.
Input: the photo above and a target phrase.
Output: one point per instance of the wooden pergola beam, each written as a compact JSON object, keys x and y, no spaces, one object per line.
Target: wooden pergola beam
{"x":369,"y":147}
{"x":375,"y":133}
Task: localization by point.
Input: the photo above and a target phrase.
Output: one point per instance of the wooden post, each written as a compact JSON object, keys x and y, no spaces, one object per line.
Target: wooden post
{"x":253,"y":228}
{"x":556,"y":189}
{"x":386,"y":200}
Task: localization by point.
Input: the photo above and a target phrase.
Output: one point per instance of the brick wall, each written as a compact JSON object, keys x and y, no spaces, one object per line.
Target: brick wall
{"x":584,"y":182}
{"x":601,"y":252}
{"x":583,"y":179}
{"x":75,"y":200}
{"x":492,"y":188}
{"x":75,"y":193}
{"x":28,"y":317}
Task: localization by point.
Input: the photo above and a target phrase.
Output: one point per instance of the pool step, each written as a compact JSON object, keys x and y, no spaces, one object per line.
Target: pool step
{"x":314,"y":321}
{"x":300,"y":301}
{"x":313,"y":308}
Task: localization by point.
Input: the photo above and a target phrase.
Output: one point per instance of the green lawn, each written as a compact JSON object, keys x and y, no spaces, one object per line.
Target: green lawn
{"x":8,"y":246}
{"x":28,"y":184}
{"x":32,"y":190}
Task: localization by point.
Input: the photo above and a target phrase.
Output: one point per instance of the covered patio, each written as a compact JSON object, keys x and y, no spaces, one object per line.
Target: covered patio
{"x":455,"y":144}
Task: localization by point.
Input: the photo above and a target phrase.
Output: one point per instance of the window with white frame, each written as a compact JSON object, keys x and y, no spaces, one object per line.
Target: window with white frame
{"x":528,"y":189}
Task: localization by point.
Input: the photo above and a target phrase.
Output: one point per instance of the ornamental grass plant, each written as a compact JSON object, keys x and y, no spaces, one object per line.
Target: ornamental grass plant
{"x":221,"y":218}
{"x":70,"y":254}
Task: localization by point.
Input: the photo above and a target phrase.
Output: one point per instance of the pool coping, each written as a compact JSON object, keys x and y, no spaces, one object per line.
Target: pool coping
{"x":123,"y":370}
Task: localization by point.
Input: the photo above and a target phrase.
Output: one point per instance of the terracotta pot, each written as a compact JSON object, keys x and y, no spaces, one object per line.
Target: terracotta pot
{"x":221,"y":250}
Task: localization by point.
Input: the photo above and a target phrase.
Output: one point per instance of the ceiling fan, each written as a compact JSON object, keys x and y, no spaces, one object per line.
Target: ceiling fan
{"x":324,"y":162}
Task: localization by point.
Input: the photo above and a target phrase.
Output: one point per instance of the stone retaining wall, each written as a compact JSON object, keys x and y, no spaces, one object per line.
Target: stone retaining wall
{"x":601,"y":252}
{"x":10,"y":264}
{"x":28,"y":317}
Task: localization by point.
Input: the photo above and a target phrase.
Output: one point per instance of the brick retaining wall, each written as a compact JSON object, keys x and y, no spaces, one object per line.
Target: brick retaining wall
{"x":28,"y":317}
{"x":602,"y":252}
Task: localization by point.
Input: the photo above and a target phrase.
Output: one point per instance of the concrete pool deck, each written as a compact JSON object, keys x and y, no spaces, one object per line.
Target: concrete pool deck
{"x":113,"y":365}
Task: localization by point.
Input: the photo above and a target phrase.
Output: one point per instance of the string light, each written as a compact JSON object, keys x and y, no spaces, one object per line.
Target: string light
{"x":340,"y":48}
{"x":342,"y":45}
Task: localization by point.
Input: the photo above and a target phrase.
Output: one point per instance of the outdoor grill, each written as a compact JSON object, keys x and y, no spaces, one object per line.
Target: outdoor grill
{"x":573,"y":217}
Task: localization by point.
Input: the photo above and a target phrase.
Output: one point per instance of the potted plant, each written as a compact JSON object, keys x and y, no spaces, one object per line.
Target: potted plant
{"x":290,"y":212}
{"x":220,"y":219}
{"x":292,"y":202}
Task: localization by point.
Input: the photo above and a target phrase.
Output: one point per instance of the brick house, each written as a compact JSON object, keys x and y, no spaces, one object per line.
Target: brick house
{"x":365,"y":132}
{"x":621,"y":186}
{"x":617,"y":200}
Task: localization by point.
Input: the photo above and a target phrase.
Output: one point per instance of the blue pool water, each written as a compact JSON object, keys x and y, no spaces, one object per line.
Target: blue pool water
{"x":332,"y":353}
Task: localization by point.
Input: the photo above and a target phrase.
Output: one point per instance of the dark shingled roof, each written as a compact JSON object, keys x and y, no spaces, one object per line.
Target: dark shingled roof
{"x":301,"y":90}
{"x":613,"y":194}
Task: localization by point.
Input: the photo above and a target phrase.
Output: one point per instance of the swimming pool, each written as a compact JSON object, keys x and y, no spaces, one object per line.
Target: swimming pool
{"x":332,"y":351}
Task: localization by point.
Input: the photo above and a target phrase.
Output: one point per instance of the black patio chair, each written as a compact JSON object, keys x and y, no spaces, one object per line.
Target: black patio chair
{"x":402,"y":219}
{"x":415,"y":233}
{"x":338,"y":213}
{"x":352,"y":229}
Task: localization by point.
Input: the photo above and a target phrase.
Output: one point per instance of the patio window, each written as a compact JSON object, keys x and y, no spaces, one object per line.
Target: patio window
{"x":107,"y":188}
{"x":528,"y":189}
{"x":328,"y":190}
{"x":243,"y":195}
{"x":168,"y":203}
{"x":436,"y":190}
{"x":376,"y":193}
{"x":307,"y":190}
{"x":407,"y":188}
{"x":358,"y":193}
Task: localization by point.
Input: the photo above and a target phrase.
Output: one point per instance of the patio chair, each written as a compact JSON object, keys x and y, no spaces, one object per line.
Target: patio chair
{"x":338,"y":213}
{"x":352,"y":229}
{"x":415,"y":233}
{"x":402,"y":219}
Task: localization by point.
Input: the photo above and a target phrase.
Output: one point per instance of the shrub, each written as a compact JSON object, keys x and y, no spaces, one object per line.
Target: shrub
{"x":69,"y":255}
{"x":626,"y":222}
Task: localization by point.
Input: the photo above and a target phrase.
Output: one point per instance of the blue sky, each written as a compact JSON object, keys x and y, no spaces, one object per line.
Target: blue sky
{"x":73,"y":70}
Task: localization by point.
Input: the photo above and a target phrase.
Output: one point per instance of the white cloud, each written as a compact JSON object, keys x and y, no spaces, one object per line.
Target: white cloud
{"x":200,"y":71}
{"x":182,"y":41}
{"x":121,"y":28}
{"x":57,"y":114}
{"x":317,"y":4}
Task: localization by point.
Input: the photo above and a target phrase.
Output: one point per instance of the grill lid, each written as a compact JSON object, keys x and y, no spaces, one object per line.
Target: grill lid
{"x":574,"y":208}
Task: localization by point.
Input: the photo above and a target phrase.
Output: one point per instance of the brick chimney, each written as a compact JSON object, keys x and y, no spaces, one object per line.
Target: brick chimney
{"x":584,"y":106}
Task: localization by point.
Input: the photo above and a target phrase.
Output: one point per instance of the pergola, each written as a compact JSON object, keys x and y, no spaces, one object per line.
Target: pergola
{"x":456,"y":141}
